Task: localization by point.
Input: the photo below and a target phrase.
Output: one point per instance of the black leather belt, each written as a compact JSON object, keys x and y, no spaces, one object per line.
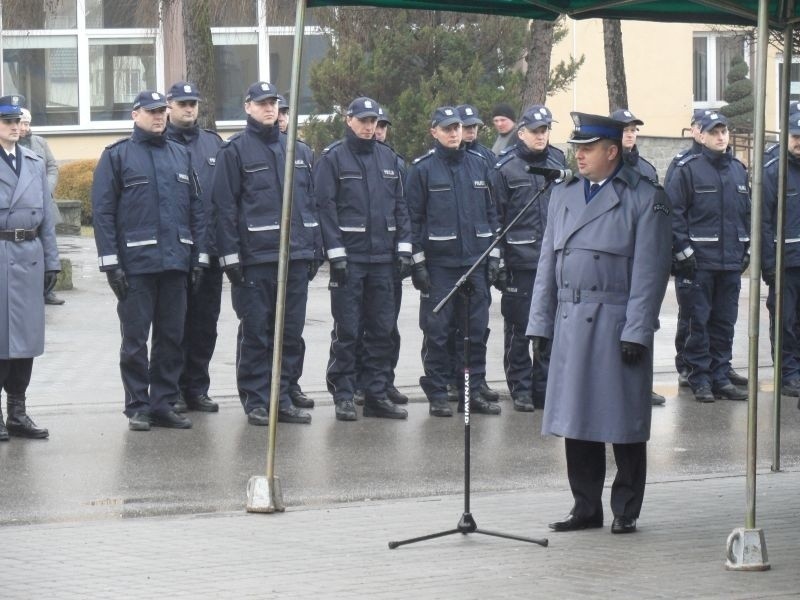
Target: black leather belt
{"x":18,"y":235}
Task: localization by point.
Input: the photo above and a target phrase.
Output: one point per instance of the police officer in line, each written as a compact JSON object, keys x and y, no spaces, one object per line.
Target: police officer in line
{"x":366,"y":233}
{"x":513,"y":188}
{"x":150,"y":232}
{"x":453,"y":221}
{"x":772,"y":151}
{"x":248,"y":197}
{"x":296,"y":394}
{"x":711,"y":236}
{"x":631,"y":157}
{"x":600,"y":281}
{"x":395,"y":395}
{"x":30,"y":262}
{"x":202,"y":307}
{"x":471,"y":124}
{"x":790,"y":374}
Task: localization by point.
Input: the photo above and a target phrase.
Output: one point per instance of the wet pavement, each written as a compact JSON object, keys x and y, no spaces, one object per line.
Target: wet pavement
{"x":93,"y":471}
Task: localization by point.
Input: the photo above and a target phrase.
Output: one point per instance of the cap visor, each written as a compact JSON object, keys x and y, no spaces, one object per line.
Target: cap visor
{"x":154,"y":106}
{"x":366,"y":113}
{"x":263,"y":97}
{"x":180,"y":98}
{"x":446,"y":122}
{"x":583,"y":140}
{"x":471,"y":122}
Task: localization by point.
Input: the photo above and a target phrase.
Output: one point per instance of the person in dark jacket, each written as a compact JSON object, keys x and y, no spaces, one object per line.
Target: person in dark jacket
{"x":711,"y":237}
{"x":453,"y":221}
{"x":514,"y":187}
{"x":366,"y":234}
{"x":248,"y":197}
{"x":150,"y":230}
{"x":504,"y":120}
{"x":203,"y":307}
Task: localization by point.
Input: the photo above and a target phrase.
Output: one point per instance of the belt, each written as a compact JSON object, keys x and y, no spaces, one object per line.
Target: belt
{"x":591,"y":296}
{"x":18,"y":235}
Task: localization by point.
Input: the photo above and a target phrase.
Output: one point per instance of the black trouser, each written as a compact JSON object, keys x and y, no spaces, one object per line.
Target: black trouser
{"x":15,"y":375}
{"x":586,"y":469}
{"x":395,"y":356}
{"x":200,"y":332}
{"x":791,"y":324}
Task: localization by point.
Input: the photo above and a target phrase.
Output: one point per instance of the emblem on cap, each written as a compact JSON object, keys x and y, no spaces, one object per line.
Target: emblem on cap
{"x":265,"y":87}
{"x":537,"y":116}
{"x":468,"y":110}
{"x":15,"y":100}
{"x":448,"y":112}
{"x":155,"y":96}
{"x":367,"y":104}
{"x":187,"y":89}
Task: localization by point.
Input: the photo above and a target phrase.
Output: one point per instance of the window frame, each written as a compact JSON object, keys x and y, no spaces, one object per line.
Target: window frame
{"x":714,"y":97}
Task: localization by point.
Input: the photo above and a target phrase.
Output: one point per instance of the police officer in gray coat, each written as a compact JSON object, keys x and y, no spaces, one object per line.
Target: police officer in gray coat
{"x":601,"y":277}
{"x":29,"y":262}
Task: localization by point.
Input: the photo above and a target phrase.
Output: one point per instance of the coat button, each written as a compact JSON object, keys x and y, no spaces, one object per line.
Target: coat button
{"x":566,"y":284}
{"x":566,"y":252}
{"x":588,"y":319}
{"x":594,"y":288}
{"x":596,"y":256}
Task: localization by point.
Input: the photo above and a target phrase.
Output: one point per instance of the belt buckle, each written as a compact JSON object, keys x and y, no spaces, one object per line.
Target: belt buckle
{"x":576,"y":296}
{"x":19,"y":235}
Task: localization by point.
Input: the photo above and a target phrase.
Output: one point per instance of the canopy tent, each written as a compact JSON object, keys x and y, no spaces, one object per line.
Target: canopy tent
{"x":746,"y":548}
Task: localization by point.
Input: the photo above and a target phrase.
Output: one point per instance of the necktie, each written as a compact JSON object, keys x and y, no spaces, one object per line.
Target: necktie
{"x":12,"y":162}
{"x":592,"y":191}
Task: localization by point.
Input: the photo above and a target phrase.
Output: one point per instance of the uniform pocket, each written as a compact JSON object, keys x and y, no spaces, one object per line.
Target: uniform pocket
{"x":141,"y":237}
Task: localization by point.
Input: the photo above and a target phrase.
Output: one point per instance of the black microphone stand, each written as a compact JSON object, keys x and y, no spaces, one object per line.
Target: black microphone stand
{"x":466,"y":523}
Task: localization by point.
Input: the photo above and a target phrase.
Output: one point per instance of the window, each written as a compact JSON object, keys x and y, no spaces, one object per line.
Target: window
{"x":119,"y":69}
{"x":39,"y":14}
{"x":280,"y":64}
{"x":711,"y":60}
{"x":236,"y":62}
{"x":121,"y":14}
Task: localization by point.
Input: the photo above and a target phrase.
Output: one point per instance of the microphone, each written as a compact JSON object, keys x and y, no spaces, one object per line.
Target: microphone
{"x":550,"y":174}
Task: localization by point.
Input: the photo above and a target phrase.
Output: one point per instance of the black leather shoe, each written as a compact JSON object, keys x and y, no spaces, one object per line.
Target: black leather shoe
{"x":170,"y":420}
{"x":358,"y":397}
{"x":383,"y":408}
{"x":481,"y":406}
{"x":523,"y":402}
{"x":23,"y":426}
{"x":704,"y":394}
{"x":683,"y":380}
{"x":573,"y":523}
{"x":396,"y":396}
{"x":729,"y":392}
{"x":180,"y":405}
{"x":791,"y":388}
{"x":346,"y":411}
{"x":299,"y":399}
{"x":440,"y":408}
{"x":736,"y":379}
{"x":259,"y":417}
{"x":488,"y":393}
{"x":292,"y":414}
{"x":202,"y":403}
{"x":452,"y":392}
{"x":52,"y":299}
{"x":657,"y":399}
{"x":139,"y":422}
{"x":623,"y":525}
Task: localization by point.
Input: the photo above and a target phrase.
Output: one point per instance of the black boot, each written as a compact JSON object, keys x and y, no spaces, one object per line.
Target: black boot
{"x":3,"y":430}
{"x":19,"y":423}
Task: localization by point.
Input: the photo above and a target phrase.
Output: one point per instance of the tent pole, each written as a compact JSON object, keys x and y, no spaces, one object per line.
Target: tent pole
{"x":264,"y":494}
{"x":783,"y":154}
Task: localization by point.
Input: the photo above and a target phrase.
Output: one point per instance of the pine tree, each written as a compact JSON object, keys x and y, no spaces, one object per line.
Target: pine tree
{"x":739,"y":96}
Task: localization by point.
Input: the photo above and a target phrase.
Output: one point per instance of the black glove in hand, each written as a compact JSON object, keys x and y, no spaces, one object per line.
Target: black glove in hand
{"x":686,"y":268}
{"x":118,"y":283}
{"x":50,"y":278}
{"x":768,"y":275}
{"x":421,"y":278}
{"x":632,"y":352}
{"x":339,"y":272}
{"x":197,"y":278}
{"x":313,"y":267}
{"x":403,"y":265}
{"x":492,"y":269}
{"x":235,"y":274}
{"x":745,"y":262}
{"x":501,"y":282}
{"x":538,"y":343}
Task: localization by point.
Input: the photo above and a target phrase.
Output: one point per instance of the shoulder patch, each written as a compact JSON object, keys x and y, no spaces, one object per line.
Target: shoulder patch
{"x":771,"y":161}
{"x":332,"y":146}
{"x":661,"y":207}
{"x":118,"y":142}
{"x":423,"y":157}
{"x":503,"y":160}
{"x":212,"y":132}
{"x":476,"y":153}
{"x":687,"y":159}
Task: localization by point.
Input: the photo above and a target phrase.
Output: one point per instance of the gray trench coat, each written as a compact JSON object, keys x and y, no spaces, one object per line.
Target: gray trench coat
{"x":24,"y":203}
{"x":601,"y":278}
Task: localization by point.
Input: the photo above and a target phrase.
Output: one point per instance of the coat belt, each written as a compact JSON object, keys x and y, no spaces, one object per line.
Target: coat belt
{"x":18,"y":235}
{"x":576,"y":296}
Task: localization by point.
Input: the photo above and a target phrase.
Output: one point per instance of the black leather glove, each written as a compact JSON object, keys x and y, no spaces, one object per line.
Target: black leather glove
{"x":118,"y":283}
{"x":501,"y":282}
{"x":50,"y":278}
{"x":492,"y":269}
{"x":538,"y":343}
{"x":632,"y":352}
{"x":339,"y":271}
{"x":768,"y":275}
{"x":745,"y":262}
{"x":421,"y":278}
{"x":686,"y":268}
{"x":197,"y":278}
{"x":235,"y":274}
{"x":313,"y":267}
{"x":403,"y":265}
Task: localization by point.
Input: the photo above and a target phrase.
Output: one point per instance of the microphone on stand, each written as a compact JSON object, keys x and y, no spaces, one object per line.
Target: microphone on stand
{"x":564,"y":175}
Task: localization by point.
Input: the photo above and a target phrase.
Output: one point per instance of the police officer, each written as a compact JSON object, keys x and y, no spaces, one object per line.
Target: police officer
{"x":471,"y":124}
{"x":453,"y":220}
{"x":248,"y":194}
{"x":283,"y":114}
{"x":790,"y":374}
{"x":30,"y":262}
{"x":514,"y":187}
{"x":711,"y":229}
{"x":366,"y":233}
{"x":600,"y":281}
{"x":772,"y":151}
{"x":202,"y":307}
{"x":150,"y":231}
